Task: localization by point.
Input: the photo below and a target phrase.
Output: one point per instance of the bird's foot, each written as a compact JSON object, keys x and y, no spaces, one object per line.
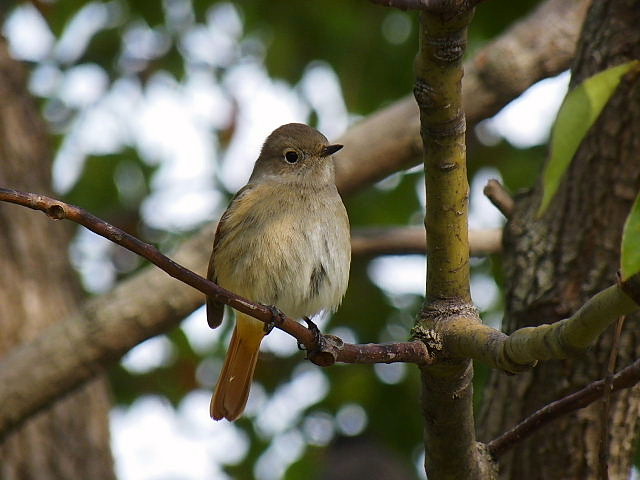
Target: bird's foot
{"x":277,"y":317}
{"x":317,"y":337}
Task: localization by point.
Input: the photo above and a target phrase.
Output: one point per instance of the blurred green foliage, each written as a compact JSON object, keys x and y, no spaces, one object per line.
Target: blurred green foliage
{"x":371,"y":48}
{"x":101,"y":189}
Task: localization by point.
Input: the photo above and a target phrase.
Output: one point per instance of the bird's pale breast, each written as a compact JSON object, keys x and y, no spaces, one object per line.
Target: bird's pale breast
{"x":285,"y":246}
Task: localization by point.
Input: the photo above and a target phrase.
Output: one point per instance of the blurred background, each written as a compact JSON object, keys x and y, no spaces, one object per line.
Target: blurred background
{"x":158,"y":110}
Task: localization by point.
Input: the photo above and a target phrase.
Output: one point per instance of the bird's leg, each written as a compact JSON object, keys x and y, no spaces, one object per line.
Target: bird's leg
{"x":277,"y":318}
{"x":312,"y":326}
{"x":317,"y":337}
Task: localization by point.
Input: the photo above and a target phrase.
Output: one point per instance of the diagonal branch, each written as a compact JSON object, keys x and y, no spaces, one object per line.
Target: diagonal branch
{"x":625,"y":378}
{"x":499,"y":196}
{"x":340,"y":351}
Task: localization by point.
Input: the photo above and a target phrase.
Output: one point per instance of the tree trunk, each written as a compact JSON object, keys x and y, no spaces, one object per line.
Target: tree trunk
{"x":557,"y":262}
{"x":38,"y":288}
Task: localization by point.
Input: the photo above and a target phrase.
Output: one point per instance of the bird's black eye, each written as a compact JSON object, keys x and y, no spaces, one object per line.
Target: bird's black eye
{"x":291,"y":156}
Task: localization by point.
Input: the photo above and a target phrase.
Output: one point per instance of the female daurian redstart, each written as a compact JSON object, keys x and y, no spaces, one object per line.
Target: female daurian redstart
{"x":283,"y":241}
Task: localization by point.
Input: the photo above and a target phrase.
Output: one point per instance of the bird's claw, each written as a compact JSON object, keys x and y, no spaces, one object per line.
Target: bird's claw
{"x":314,"y":329}
{"x":276,"y":319}
{"x":312,"y":326}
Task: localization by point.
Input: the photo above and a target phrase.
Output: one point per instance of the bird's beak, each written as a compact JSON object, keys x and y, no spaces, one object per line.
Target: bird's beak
{"x":330,"y":149}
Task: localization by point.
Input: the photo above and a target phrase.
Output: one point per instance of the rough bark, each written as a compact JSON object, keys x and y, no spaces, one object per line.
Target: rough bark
{"x":555,"y":263}
{"x":37,"y":289}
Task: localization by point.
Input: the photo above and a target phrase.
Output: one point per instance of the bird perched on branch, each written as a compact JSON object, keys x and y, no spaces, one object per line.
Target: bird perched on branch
{"x":283,"y":241}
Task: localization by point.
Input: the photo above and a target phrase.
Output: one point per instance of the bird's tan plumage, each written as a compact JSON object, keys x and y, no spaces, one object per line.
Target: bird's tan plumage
{"x":284,"y":240}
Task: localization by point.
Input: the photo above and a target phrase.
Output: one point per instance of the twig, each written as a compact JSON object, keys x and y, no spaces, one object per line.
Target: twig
{"x":324,"y":352}
{"x":499,"y":196}
{"x":625,"y":378}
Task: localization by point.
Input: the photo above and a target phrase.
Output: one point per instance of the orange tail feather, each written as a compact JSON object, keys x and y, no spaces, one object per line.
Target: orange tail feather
{"x":232,"y":390}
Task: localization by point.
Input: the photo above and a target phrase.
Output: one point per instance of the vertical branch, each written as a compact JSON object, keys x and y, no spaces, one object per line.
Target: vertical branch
{"x":451,"y":450}
{"x":438,"y":91}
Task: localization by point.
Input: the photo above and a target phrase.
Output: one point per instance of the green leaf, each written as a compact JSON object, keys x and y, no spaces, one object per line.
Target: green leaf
{"x":579,"y":111}
{"x":630,"y":261}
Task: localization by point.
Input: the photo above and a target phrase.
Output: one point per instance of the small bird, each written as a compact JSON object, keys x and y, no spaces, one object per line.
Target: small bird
{"x":283,"y":241}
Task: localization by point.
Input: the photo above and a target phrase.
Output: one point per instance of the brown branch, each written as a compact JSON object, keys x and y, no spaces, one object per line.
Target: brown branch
{"x":60,"y":210}
{"x":408,"y":240}
{"x":625,"y":378}
{"x":337,"y":350}
{"x":333,"y":349}
{"x":499,"y":196}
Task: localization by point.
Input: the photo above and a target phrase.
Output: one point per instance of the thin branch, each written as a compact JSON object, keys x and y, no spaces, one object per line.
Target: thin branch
{"x":59,"y":210}
{"x":625,"y":378}
{"x":408,"y":240}
{"x":337,"y":351}
{"x":499,"y":196}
